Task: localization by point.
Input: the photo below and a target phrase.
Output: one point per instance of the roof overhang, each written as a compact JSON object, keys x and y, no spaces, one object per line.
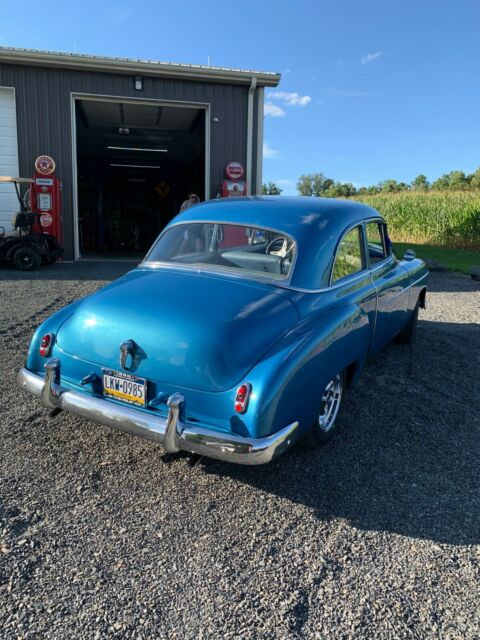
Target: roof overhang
{"x":104,"y":64}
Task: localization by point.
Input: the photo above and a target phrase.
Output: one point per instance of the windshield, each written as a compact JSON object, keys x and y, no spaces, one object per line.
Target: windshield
{"x":251,"y":250}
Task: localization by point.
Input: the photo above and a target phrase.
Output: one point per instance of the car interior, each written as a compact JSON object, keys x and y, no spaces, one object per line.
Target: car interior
{"x":254,"y":250}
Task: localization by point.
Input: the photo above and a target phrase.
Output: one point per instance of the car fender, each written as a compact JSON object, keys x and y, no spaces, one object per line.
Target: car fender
{"x":418,"y":274}
{"x":18,"y":245}
{"x":289,"y":380}
{"x":35,"y":362}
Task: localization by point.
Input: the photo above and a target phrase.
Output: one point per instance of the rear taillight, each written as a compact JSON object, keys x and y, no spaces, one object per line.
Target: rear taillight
{"x":242,"y":397}
{"x":46,"y":345}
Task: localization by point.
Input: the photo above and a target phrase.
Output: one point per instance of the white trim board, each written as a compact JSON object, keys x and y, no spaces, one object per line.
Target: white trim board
{"x":8,"y":155}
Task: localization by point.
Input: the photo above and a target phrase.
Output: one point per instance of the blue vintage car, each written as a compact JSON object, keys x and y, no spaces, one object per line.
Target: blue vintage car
{"x":238,"y":333}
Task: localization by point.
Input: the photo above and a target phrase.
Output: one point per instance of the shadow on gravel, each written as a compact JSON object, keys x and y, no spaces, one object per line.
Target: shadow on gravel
{"x":406,"y":459}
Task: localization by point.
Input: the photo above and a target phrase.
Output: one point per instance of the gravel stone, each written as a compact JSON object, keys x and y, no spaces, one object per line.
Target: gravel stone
{"x":377,"y":535}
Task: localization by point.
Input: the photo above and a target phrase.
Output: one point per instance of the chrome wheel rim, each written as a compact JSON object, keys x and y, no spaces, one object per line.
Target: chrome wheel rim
{"x":331,"y":398}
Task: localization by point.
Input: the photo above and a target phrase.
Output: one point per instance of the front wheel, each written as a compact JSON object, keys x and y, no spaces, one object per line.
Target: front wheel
{"x":325,"y":424}
{"x":26,"y":259}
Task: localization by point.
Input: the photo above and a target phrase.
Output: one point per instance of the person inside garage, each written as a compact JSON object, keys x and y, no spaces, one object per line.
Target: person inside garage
{"x":189,"y":202}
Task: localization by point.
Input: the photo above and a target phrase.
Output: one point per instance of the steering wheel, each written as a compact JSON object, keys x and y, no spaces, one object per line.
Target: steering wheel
{"x":283,"y":251}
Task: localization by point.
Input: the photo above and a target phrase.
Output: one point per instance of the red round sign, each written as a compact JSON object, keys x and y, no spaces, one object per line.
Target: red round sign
{"x":46,"y":219}
{"x":234,"y":170}
{"x":45,"y":165}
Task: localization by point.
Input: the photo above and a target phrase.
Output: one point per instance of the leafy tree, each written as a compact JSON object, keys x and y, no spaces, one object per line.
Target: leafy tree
{"x":457,"y":180}
{"x":313,"y":184}
{"x":368,"y":191}
{"x":441,"y":183}
{"x":271,"y":189}
{"x":474,"y":179}
{"x":316,"y":184}
{"x":420,"y":183}
{"x":392,"y":186}
{"x":340,"y":190}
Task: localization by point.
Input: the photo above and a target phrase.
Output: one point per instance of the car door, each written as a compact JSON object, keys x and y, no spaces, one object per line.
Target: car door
{"x":352,"y":282}
{"x":391,"y":281}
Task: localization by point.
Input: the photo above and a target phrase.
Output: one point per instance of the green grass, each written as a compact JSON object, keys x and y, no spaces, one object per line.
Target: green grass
{"x":453,"y":259}
{"x":436,"y":218}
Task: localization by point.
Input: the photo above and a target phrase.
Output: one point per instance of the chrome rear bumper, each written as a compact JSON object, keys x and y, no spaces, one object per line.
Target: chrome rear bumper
{"x":174,"y":434}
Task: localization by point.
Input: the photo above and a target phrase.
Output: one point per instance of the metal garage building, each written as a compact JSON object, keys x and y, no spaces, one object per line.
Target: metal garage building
{"x":130,"y":138}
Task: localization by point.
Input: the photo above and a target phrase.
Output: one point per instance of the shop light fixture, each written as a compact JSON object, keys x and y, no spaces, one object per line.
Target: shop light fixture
{"x":138,"y":84}
{"x":136,"y":166}
{"x":136,"y":149}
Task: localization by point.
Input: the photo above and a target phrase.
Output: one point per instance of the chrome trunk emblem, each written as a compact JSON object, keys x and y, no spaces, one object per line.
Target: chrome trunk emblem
{"x":127,"y":348}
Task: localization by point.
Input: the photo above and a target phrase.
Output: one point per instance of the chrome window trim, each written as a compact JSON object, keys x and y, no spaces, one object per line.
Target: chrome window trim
{"x":381,"y":222}
{"x":286,"y":280}
{"x":359,"y":224}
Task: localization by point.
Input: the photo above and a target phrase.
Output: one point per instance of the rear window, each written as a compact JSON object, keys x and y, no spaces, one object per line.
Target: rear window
{"x":252,"y":250}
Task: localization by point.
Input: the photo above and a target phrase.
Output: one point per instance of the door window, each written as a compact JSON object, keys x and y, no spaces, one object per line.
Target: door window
{"x":349,"y":255}
{"x":375,"y":242}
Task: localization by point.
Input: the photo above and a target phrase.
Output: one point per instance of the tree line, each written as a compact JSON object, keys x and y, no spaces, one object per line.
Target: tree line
{"x":317,"y":184}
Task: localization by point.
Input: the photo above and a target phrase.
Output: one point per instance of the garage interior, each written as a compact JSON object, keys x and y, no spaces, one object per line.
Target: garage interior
{"x":136,"y":164}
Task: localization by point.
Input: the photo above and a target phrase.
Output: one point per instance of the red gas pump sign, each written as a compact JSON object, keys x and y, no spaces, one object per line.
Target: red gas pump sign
{"x":234,"y":185}
{"x":46,"y":197}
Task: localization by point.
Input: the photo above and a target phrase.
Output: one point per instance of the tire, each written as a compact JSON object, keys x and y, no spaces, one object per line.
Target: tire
{"x":407,"y":335}
{"x":325,"y":426}
{"x":26,"y":259}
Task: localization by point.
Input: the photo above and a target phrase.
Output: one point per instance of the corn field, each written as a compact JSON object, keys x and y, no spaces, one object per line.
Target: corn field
{"x":441,"y":218}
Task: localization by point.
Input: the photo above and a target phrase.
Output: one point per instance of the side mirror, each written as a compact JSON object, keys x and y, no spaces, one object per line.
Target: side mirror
{"x":409,"y":255}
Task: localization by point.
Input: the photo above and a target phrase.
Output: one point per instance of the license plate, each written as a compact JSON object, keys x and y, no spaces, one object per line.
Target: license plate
{"x":124,"y":386}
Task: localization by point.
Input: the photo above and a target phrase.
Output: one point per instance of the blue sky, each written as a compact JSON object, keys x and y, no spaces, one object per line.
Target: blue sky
{"x":370,"y":90}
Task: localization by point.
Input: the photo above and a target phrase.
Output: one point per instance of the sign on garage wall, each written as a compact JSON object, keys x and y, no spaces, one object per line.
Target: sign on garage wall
{"x":8,"y":155}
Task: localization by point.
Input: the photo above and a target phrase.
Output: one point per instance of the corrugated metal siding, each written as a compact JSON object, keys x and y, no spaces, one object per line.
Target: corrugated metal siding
{"x":44,"y":118}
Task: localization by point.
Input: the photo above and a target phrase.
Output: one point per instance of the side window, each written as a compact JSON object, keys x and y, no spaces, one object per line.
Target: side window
{"x":349,"y":255}
{"x":375,"y":242}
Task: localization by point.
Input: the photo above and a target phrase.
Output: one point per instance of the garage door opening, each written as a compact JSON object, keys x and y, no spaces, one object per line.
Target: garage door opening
{"x":136,"y":164}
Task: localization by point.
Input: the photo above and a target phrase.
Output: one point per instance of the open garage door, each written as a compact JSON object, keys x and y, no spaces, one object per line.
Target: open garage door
{"x":136,"y":164}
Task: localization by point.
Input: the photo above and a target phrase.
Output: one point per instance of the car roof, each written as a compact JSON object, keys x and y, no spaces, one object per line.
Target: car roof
{"x":316,"y":224}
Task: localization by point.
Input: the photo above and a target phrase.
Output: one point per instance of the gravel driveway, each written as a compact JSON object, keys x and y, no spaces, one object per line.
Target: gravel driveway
{"x":376,"y":535}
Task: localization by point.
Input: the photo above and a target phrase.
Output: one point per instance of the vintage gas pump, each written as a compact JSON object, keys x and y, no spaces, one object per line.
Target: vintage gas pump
{"x":45,"y":198}
{"x":234,"y":185}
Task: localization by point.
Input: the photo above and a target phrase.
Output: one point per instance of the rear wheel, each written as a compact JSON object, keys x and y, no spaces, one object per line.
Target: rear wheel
{"x":326,"y":422}
{"x":26,"y":259}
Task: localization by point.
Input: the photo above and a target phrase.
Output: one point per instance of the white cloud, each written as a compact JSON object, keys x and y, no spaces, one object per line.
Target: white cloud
{"x":370,"y":57}
{"x":292,"y":99}
{"x":273,"y":110}
{"x":346,"y":93}
{"x":268,"y":152}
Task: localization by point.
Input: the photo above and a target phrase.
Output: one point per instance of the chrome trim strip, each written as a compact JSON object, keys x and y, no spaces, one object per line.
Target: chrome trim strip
{"x":172,"y":432}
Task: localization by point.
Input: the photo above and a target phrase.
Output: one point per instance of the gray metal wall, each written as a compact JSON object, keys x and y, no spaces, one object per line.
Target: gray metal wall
{"x":44,"y":118}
